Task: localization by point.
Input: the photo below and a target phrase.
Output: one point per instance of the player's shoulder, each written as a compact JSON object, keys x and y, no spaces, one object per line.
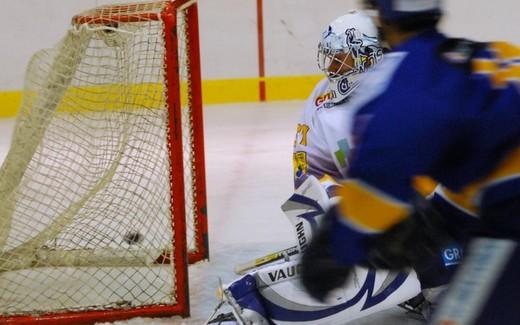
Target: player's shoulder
{"x":460,"y":52}
{"x":499,"y":51}
{"x":497,"y":61}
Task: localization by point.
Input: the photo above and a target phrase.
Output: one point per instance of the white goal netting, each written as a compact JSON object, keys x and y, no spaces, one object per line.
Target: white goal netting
{"x":86,"y":189}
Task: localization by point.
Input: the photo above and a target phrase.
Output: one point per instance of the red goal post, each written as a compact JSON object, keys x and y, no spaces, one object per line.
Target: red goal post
{"x":94,"y":171}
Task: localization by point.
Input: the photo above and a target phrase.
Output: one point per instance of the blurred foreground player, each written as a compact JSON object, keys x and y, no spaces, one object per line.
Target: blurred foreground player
{"x":444,"y":108}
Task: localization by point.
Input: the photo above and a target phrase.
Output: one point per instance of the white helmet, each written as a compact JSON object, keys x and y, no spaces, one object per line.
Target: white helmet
{"x":347,"y":48}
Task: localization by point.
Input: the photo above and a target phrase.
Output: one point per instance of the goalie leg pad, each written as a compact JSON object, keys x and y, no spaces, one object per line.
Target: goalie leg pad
{"x":305,"y":209}
{"x":273,"y":295}
{"x":242,"y":295}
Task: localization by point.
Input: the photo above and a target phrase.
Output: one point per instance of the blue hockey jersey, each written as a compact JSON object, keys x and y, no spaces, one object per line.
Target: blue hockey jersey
{"x":447,"y":109}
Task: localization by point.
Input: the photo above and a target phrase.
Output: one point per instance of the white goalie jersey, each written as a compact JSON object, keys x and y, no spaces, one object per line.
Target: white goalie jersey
{"x":323,"y":140}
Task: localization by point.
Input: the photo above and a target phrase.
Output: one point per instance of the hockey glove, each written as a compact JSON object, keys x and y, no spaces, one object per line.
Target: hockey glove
{"x":336,"y":248}
{"x":420,"y":236}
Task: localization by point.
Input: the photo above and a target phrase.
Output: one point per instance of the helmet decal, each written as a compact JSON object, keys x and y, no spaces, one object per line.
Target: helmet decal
{"x":352,"y":40}
{"x":343,"y":86}
{"x":348,"y":47}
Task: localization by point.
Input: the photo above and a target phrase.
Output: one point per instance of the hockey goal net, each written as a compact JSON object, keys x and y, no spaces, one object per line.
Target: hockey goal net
{"x":102,"y":194}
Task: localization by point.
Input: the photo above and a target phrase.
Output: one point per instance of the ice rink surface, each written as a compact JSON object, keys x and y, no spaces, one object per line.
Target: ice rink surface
{"x":249,"y":175}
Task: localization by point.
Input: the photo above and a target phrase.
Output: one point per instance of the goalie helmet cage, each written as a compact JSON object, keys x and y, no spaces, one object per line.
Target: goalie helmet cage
{"x":102,"y":194}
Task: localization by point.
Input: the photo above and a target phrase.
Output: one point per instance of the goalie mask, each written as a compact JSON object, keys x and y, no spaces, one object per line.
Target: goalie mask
{"x":348,"y":47}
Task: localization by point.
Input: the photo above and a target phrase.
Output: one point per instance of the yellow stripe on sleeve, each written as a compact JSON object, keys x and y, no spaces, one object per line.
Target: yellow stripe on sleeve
{"x":503,"y":67}
{"x":506,"y":51}
{"x":507,"y":169}
{"x":424,"y":185}
{"x":490,"y":67}
{"x":467,"y":198}
{"x":369,"y":209}
{"x":486,"y":66}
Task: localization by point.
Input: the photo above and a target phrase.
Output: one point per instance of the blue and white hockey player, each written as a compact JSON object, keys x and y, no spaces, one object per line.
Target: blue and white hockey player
{"x":438,"y":107}
{"x":272,"y":294}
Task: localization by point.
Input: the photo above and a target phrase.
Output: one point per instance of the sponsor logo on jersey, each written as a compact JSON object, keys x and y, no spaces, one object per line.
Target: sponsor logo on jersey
{"x":300,"y":164}
{"x":452,"y":255}
{"x":323,"y":98}
{"x":486,"y":262}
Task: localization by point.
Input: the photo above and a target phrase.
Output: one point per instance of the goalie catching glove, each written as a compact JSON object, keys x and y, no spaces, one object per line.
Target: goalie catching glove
{"x":337,"y":247}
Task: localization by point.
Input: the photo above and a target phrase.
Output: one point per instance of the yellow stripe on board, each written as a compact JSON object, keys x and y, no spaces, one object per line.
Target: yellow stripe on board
{"x":230,"y":91}
{"x":214,"y":92}
{"x":108,"y":98}
{"x":290,"y":88}
{"x":9,"y":103}
{"x":247,"y":89}
{"x":366,"y":208}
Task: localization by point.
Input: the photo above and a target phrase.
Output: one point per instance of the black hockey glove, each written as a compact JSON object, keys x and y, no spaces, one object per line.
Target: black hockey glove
{"x":320,"y":273}
{"x":407,"y":244}
{"x":421,"y":236}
